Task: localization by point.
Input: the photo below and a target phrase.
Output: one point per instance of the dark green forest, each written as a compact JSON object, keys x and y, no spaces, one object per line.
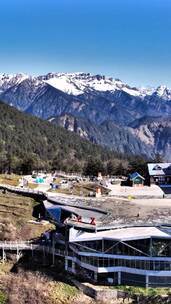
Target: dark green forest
{"x":28,"y":143}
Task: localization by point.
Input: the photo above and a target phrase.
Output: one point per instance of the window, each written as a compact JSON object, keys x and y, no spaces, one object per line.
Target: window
{"x":157,"y":167}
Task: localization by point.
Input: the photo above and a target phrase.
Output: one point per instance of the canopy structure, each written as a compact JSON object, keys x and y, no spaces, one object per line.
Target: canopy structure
{"x":60,"y":212}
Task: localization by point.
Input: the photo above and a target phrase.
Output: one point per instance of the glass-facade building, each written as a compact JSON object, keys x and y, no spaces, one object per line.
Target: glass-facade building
{"x":133,"y":256}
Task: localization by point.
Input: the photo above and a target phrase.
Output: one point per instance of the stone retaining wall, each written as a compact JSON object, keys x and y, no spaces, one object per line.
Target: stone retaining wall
{"x":107,"y":295}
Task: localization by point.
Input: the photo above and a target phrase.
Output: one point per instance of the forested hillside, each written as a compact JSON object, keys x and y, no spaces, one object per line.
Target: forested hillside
{"x":28,"y":143}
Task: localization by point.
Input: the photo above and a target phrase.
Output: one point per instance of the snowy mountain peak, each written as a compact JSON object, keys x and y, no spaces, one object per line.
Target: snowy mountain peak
{"x":164,"y":92}
{"x":161,"y":89}
{"x":79,"y":83}
{"x":8,"y":80}
{"x":65,"y":84}
{"x":17,"y":76}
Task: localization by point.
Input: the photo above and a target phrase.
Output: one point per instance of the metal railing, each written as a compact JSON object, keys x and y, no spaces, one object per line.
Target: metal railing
{"x":21,"y":190}
{"x":15,"y":245}
{"x":27,"y":245}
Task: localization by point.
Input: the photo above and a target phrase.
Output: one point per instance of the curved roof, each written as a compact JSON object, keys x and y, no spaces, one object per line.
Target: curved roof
{"x":55,"y":211}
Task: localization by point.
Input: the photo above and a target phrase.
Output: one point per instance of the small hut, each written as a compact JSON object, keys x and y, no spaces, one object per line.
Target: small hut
{"x":136,"y":179}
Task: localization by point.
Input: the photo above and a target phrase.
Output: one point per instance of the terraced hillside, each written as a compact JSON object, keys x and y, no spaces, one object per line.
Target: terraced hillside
{"x":15,"y":214}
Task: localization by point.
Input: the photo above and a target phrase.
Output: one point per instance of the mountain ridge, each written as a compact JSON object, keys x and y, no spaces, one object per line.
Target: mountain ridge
{"x":98,"y":100}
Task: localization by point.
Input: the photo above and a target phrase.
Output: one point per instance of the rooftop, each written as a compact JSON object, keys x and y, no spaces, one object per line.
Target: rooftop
{"x":135,"y":175}
{"x":159,"y":169}
{"x":58,"y":211}
{"x":123,"y":234}
{"x":116,"y":211}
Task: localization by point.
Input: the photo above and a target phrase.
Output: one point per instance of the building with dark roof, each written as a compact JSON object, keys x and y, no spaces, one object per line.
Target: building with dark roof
{"x":160,"y":173}
{"x":134,"y":180}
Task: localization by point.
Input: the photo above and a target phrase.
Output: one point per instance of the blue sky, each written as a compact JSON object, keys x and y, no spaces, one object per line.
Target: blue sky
{"x":126,"y":39}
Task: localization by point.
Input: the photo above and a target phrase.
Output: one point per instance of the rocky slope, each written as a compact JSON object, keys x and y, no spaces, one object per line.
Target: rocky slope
{"x":155,"y":132}
{"x":107,"y":134}
{"x":147,"y":135}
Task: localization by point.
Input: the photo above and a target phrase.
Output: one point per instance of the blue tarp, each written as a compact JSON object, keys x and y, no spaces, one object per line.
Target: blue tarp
{"x":55,"y":213}
{"x":39,"y":180}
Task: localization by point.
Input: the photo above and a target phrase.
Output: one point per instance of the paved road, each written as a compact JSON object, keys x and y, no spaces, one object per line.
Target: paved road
{"x":43,"y":187}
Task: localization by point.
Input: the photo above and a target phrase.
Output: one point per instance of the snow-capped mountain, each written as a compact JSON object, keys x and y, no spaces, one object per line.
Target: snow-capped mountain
{"x":8,"y":80}
{"x":163,"y":92}
{"x":94,"y":98}
{"x":80,"y":83}
{"x":84,"y":95}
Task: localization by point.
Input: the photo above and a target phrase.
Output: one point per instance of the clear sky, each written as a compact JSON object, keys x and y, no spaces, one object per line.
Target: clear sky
{"x":126,"y":39}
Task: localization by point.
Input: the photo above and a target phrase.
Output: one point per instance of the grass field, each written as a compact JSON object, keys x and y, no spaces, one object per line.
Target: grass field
{"x":9,"y":179}
{"x":14,"y":180}
{"x":77,"y":189}
{"x":3,"y":297}
{"x":32,"y":186}
{"x":15,"y":212}
{"x":144,"y":291}
{"x":80,"y":189}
